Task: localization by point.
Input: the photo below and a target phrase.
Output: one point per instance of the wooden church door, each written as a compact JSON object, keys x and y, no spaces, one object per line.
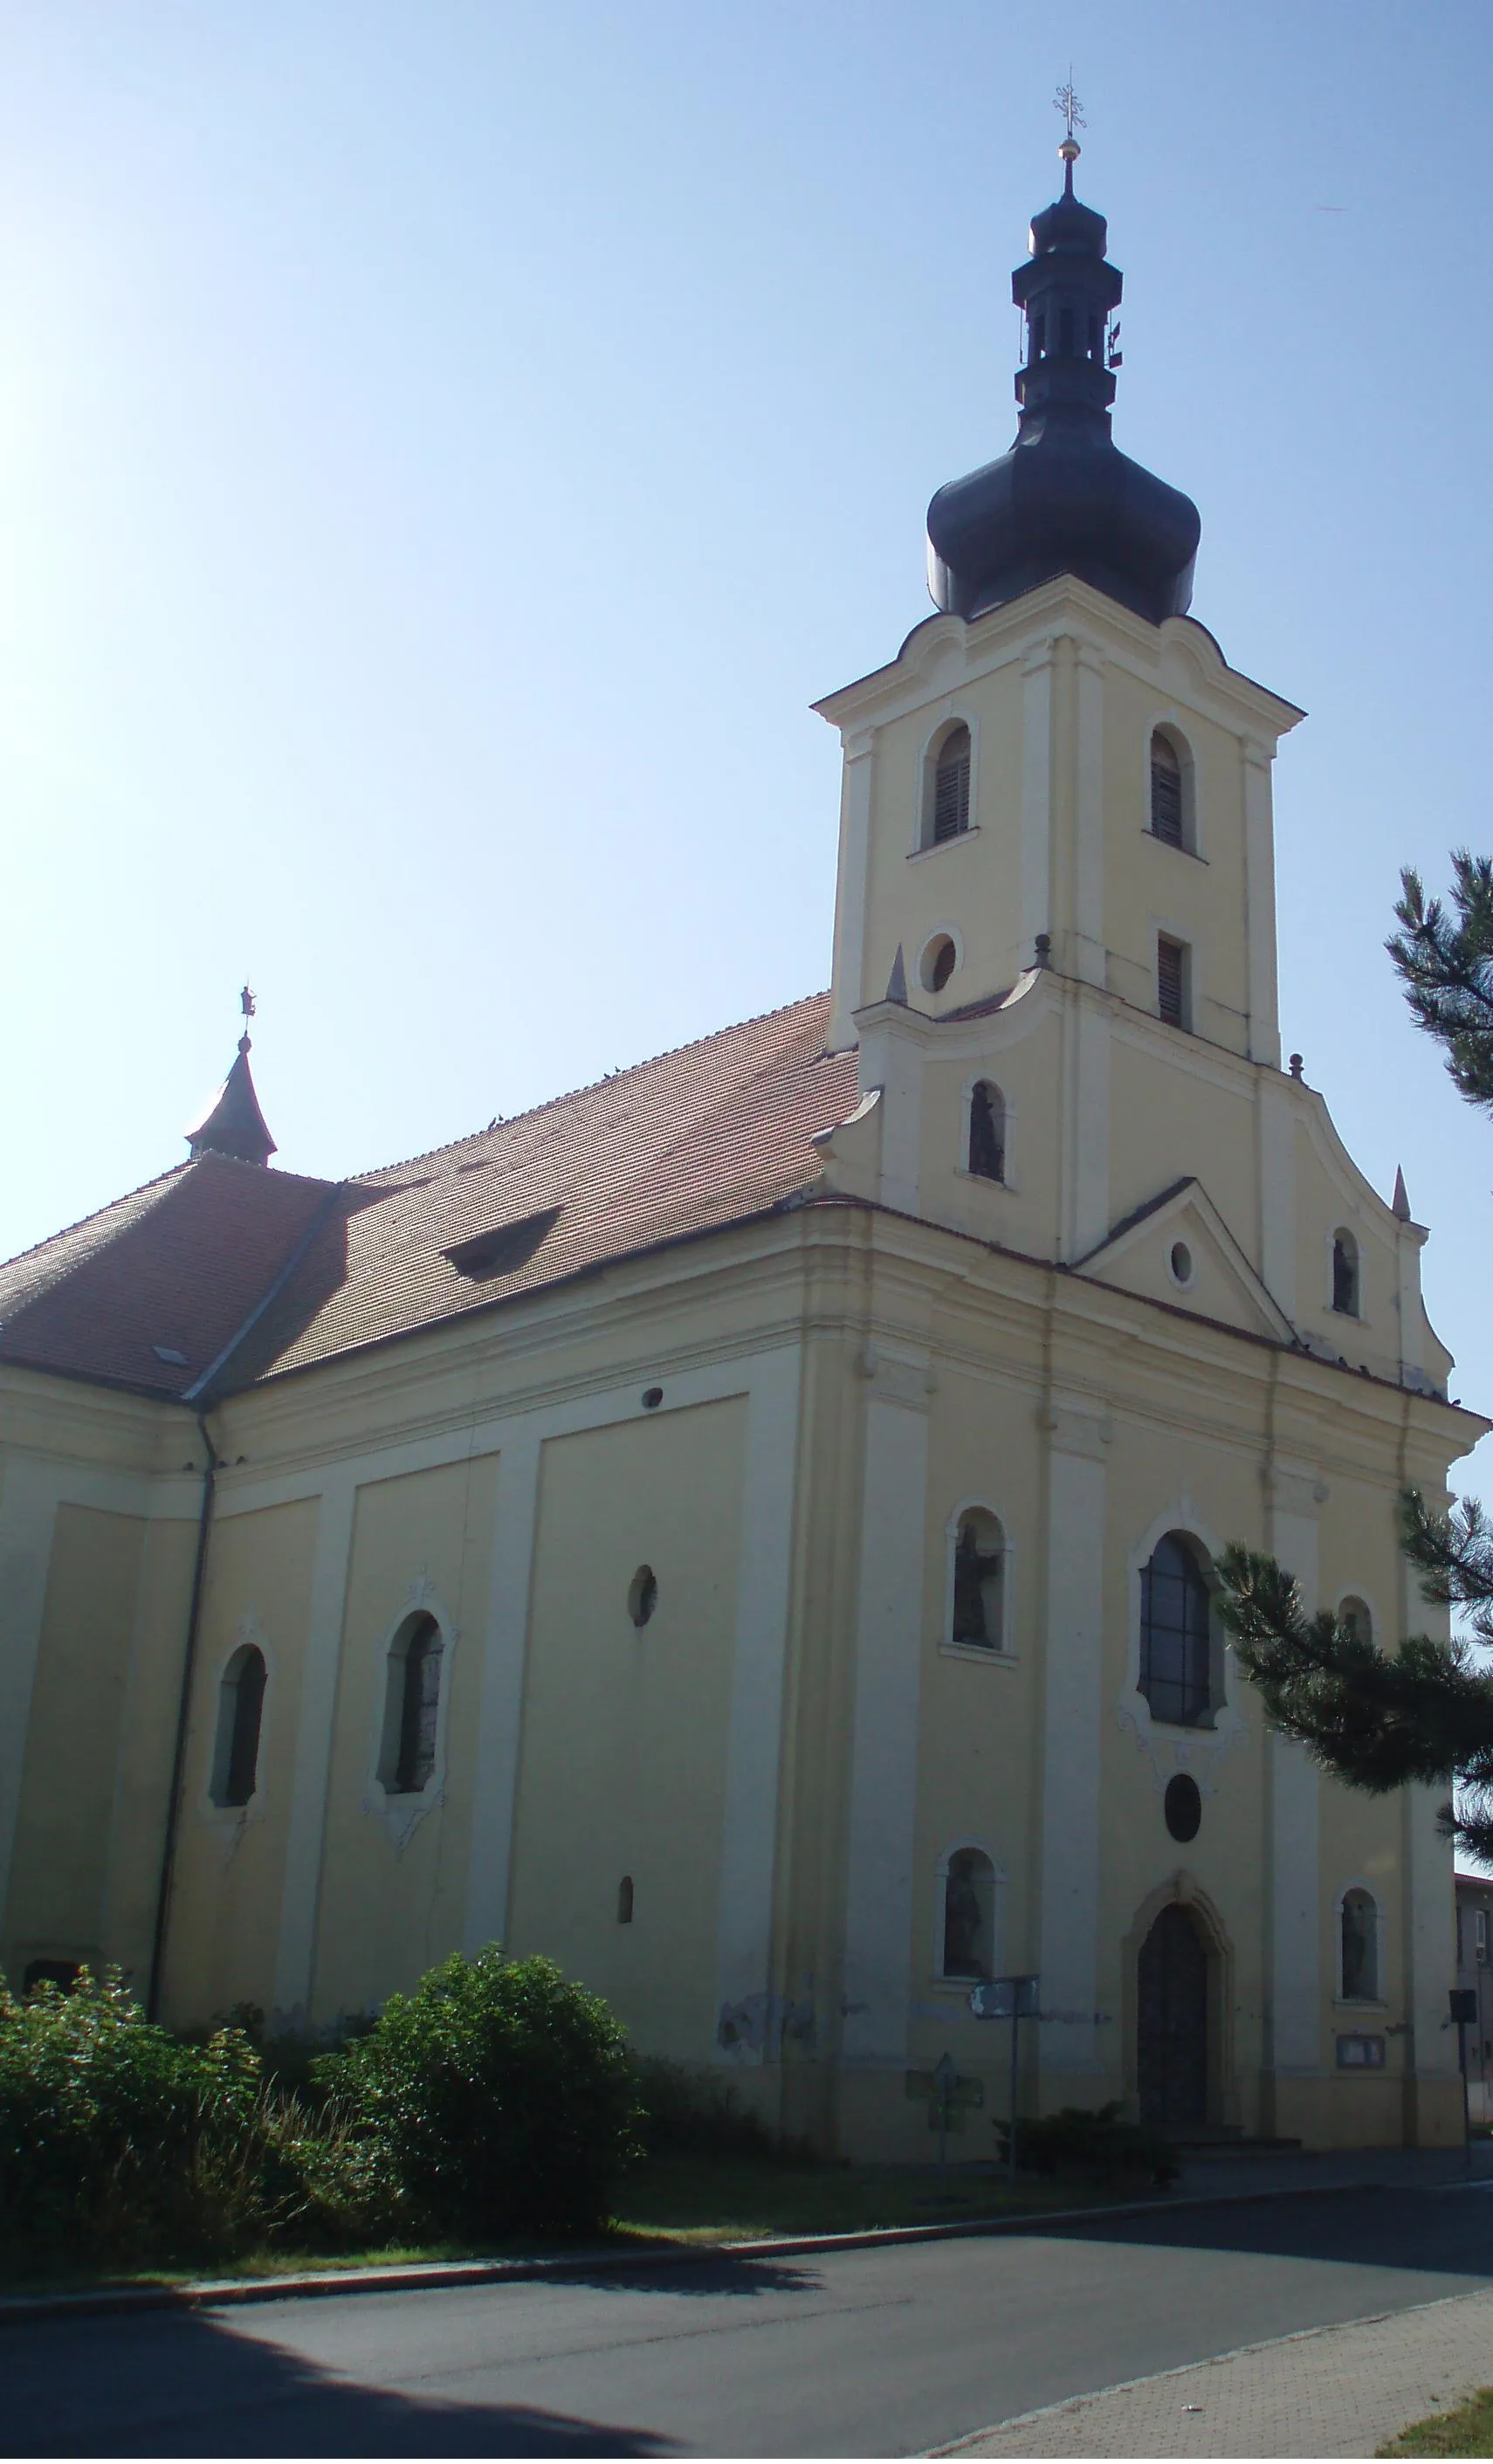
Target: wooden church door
{"x":1172,"y":2003}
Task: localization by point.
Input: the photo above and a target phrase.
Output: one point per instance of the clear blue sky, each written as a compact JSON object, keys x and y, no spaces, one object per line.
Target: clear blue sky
{"x":445,"y":447}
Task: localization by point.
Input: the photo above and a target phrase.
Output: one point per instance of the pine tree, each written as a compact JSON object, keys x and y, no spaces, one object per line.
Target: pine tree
{"x":1423,"y":1711}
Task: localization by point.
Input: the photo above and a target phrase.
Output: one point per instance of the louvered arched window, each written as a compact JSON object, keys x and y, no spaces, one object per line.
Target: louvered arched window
{"x":240,"y":1711}
{"x":1176,"y":1636}
{"x":1167,"y":812}
{"x":950,"y":787}
{"x":1345,"y":1274}
{"x":987,"y":1148}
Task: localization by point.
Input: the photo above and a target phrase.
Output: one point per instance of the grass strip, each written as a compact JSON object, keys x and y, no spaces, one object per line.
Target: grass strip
{"x":1467,"y":2430}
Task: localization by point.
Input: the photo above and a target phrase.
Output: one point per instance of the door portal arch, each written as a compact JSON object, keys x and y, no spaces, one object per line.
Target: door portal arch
{"x":1173,"y":1998}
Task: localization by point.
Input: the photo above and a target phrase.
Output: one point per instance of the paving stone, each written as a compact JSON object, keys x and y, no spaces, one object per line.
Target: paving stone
{"x":1330,"y":2391}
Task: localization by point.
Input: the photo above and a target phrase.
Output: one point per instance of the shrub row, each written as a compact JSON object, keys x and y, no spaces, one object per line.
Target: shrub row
{"x":498,"y":2099}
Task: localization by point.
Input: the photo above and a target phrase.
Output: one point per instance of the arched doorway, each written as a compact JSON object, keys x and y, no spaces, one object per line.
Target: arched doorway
{"x":1172,"y":2023}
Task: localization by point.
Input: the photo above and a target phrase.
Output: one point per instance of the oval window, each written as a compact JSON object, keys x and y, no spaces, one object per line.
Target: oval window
{"x":1182,"y":1805}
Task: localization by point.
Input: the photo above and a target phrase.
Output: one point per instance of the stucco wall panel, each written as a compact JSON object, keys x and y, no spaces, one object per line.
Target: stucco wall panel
{"x":624,"y":1738}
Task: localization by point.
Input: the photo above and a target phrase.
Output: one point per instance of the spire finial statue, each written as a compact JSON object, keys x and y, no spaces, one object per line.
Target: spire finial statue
{"x":248,"y":1005}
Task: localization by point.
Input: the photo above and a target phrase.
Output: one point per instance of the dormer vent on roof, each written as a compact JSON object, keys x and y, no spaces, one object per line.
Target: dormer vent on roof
{"x":234,"y":1125}
{"x":503,"y":1251}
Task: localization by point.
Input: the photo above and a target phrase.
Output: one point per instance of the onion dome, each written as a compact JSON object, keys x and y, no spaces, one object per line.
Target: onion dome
{"x":1064,"y":500}
{"x":234,"y":1125}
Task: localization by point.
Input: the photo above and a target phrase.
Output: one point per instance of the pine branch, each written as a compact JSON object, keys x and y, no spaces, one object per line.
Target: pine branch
{"x":1371,"y":1718}
{"x":1446,"y":965}
{"x":1453,"y":1554}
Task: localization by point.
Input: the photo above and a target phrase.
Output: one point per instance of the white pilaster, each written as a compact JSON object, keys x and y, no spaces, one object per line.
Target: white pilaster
{"x":1086,"y":1143}
{"x":1035,"y":797}
{"x":885,"y":1723}
{"x":849,"y":945}
{"x":1074,"y":1687}
{"x":1089,"y":923}
{"x":500,"y":1708}
{"x":1276,"y":1131}
{"x":891,"y":1063}
{"x":1409,"y":1240}
{"x":753,"y":1743}
{"x":1295,"y":1860}
{"x":306,"y":1830}
{"x":1265,"y":1020}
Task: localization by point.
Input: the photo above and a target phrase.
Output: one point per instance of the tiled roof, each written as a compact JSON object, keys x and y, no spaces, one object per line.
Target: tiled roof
{"x":697,"y":1138}
{"x":147,"y":1294}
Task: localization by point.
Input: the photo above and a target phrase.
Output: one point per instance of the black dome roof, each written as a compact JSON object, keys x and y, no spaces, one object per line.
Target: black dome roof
{"x":1064,"y":500}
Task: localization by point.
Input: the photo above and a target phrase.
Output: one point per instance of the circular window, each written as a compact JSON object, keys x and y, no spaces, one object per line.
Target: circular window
{"x":652,"y":1397}
{"x":938,"y":963}
{"x":1180,"y":1263}
{"x":643,"y":1596}
{"x":1183,"y":1806}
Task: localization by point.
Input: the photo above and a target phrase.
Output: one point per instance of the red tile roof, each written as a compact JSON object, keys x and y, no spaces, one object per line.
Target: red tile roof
{"x":175,"y":1268}
{"x":694,"y":1140}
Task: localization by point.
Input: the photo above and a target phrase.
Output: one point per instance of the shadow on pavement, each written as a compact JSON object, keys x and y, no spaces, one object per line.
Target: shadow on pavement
{"x":204,"y":2391}
{"x":1445,"y":2231}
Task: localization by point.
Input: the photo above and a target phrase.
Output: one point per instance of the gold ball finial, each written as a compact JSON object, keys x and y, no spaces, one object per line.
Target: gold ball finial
{"x":1069,"y":150}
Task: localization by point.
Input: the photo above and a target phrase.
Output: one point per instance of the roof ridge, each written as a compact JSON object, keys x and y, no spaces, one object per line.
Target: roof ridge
{"x":590,"y":1086}
{"x":172,"y":1172}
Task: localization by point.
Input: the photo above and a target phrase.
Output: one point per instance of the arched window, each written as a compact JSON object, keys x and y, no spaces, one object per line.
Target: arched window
{"x":1176,"y":1636}
{"x":1360,"y":1948}
{"x":950,"y":787}
{"x":235,"y":1764}
{"x":1345,"y":1274}
{"x":1168,"y":820}
{"x":977,"y":1612}
{"x":969,"y":1915}
{"x":987,"y":1152}
{"x":1354,"y":1614}
{"x":413,"y":1704}
{"x":624,"y":1899}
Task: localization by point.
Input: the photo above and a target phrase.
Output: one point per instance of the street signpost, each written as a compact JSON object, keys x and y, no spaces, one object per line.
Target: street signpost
{"x":947,"y":2097}
{"x":1015,"y":1998}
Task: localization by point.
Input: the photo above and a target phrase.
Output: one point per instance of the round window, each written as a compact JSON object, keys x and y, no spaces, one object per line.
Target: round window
{"x":1182,"y":1805}
{"x":643,"y":1596}
{"x":938,"y":963}
{"x":1180,"y":1263}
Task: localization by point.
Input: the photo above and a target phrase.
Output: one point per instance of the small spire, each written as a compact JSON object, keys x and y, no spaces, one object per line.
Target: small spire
{"x":897,"y":981}
{"x":233,"y":1125}
{"x":1400,"y":1201}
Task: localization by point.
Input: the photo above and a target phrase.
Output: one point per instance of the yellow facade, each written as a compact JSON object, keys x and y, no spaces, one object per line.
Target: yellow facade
{"x":737,"y":1816}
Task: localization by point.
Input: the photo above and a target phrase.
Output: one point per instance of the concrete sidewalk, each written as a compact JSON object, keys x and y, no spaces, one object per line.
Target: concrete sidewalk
{"x":1330,"y":2391}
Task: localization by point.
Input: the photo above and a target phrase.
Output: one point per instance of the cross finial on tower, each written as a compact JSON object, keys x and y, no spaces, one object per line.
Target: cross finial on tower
{"x":1066,"y":100}
{"x":1067,"y":103}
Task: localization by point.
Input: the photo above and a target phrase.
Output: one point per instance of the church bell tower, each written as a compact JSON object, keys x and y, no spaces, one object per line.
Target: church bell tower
{"x":1056,"y":855}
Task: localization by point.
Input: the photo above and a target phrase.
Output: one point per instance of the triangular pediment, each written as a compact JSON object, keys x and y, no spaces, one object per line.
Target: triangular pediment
{"x":1177,"y":1249}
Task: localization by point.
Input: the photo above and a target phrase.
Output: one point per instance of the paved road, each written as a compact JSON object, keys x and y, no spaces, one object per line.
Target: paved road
{"x":880,"y":2352}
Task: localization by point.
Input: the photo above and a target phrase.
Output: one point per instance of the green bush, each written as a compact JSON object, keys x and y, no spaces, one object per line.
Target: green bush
{"x":689,"y":2112}
{"x":497,"y":2097}
{"x":125,"y":2144}
{"x":1095,"y":2142}
{"x":114,"y":2136}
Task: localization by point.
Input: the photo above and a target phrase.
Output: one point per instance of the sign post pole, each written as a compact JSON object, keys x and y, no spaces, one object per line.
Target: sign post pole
{"x":1015,"y":1998}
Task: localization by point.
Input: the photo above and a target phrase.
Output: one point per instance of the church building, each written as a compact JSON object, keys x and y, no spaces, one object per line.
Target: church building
{"x":748,"y":1530}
